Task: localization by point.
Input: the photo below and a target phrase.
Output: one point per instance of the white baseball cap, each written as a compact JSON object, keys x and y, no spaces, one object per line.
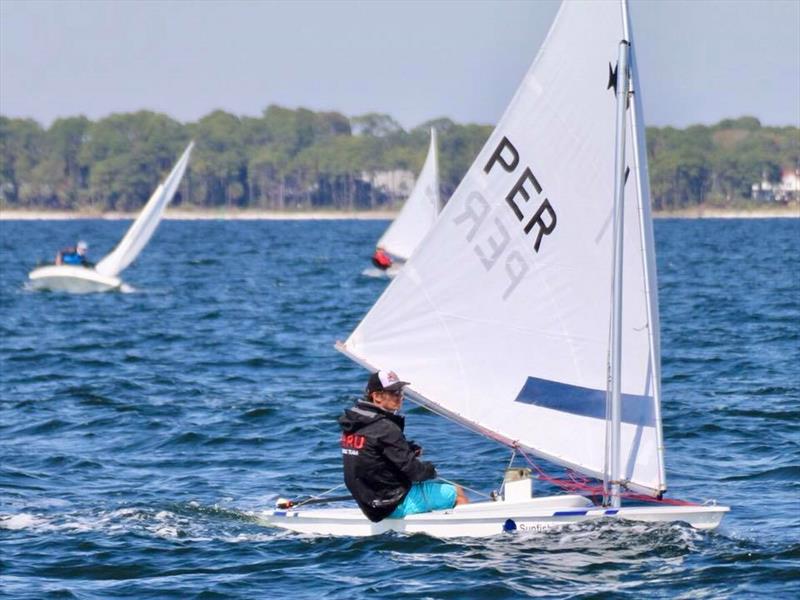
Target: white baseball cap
{"x":384,"y":381}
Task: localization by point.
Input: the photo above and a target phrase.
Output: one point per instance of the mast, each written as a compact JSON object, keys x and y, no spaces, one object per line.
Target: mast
{"x":616,"y":315}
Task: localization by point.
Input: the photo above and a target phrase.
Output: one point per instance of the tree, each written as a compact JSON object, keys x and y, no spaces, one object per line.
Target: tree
{"x":21,"y":148}
{"x":126,"y":155}
{"x":220,"y":160}
{"x":375,"y":125}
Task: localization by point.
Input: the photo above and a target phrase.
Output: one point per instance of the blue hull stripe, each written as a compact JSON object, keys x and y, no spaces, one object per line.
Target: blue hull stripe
{"x":579,"y":513}
{"x":585,"y":402}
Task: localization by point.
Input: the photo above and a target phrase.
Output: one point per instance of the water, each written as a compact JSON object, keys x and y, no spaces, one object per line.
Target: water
{"x":139,"y":432}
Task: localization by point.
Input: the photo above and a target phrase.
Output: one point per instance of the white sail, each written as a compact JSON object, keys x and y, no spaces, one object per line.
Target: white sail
{"x":419,"y":212}
{"x":146,"y":223}
{"x":501,"y":318}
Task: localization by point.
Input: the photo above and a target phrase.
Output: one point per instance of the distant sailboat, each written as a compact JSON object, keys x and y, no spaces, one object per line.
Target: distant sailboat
{"x":529,"y":314}
{"x":419,"y":212}
{"x":105,"y":275}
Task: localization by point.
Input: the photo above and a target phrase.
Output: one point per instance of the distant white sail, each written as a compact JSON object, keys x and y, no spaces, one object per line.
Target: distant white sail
{"x":501,"y":319}
{"x":146,"y":223}
{"x":419,"y":212}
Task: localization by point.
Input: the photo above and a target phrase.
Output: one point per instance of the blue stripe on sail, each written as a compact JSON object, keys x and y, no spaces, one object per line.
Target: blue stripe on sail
{"x":586,"y":402}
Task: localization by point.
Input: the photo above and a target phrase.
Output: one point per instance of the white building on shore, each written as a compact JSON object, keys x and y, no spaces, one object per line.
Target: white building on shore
{"x":397,"y":184}
{"x":787,"y":190}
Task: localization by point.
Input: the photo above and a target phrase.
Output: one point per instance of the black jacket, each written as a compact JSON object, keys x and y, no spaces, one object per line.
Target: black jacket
{"x":379,"y":463}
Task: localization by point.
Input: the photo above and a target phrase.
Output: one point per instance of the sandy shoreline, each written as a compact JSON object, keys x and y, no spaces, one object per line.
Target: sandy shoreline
{"x":202,"y":215}
{"x":264,"y":215}
{"x":774,"y":212}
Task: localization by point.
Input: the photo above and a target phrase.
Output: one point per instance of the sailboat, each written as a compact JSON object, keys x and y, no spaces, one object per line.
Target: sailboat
{"x":104,"y":276}
{"x":529,"y":314}
{"x":418,"y":215}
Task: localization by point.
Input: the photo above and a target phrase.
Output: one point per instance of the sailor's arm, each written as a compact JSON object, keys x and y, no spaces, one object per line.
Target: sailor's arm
{"x":398,"y":451}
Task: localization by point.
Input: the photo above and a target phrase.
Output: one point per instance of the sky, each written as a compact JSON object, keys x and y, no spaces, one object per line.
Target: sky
{"x":700,"y":61}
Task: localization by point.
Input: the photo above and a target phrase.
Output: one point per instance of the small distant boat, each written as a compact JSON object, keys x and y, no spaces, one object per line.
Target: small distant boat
{"x":418,"y":214}
{"x":529,"y":314}
{"x":104,"y":276}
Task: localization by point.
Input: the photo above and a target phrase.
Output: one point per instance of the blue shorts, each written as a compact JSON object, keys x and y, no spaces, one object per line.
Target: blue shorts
{"x":424,"y":497}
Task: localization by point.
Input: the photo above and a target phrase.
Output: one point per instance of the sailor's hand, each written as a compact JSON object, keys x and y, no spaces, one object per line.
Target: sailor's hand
{"x":415,"y":448}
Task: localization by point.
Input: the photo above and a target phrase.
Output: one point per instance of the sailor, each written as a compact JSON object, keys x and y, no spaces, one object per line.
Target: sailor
{"x":382,"y":469}
{"x":74,"y":256}
{"x":381,"y":259}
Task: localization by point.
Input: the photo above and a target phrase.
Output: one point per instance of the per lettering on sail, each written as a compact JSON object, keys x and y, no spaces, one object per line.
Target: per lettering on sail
{"x":544,"y":225}
{"x":477,"y":208}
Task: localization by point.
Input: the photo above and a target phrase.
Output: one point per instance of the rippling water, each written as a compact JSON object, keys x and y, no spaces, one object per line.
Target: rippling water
{"x":139,"y":432}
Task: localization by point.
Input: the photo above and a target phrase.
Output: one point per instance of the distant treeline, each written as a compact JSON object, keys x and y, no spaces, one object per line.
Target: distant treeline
{"x":300,"y":159}
{"x":717,"y":164}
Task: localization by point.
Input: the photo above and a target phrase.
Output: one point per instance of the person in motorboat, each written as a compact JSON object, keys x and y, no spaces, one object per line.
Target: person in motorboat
{"x":381,"y":259}
{"x":382,"y":469}
{"x":75,"y":256}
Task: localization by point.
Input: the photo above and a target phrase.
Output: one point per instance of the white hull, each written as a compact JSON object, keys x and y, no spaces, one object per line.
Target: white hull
{"x":389,"y":273}
{"x":72,"y":279}
{"x":483,"y":519}
{"x":395,"y":269}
